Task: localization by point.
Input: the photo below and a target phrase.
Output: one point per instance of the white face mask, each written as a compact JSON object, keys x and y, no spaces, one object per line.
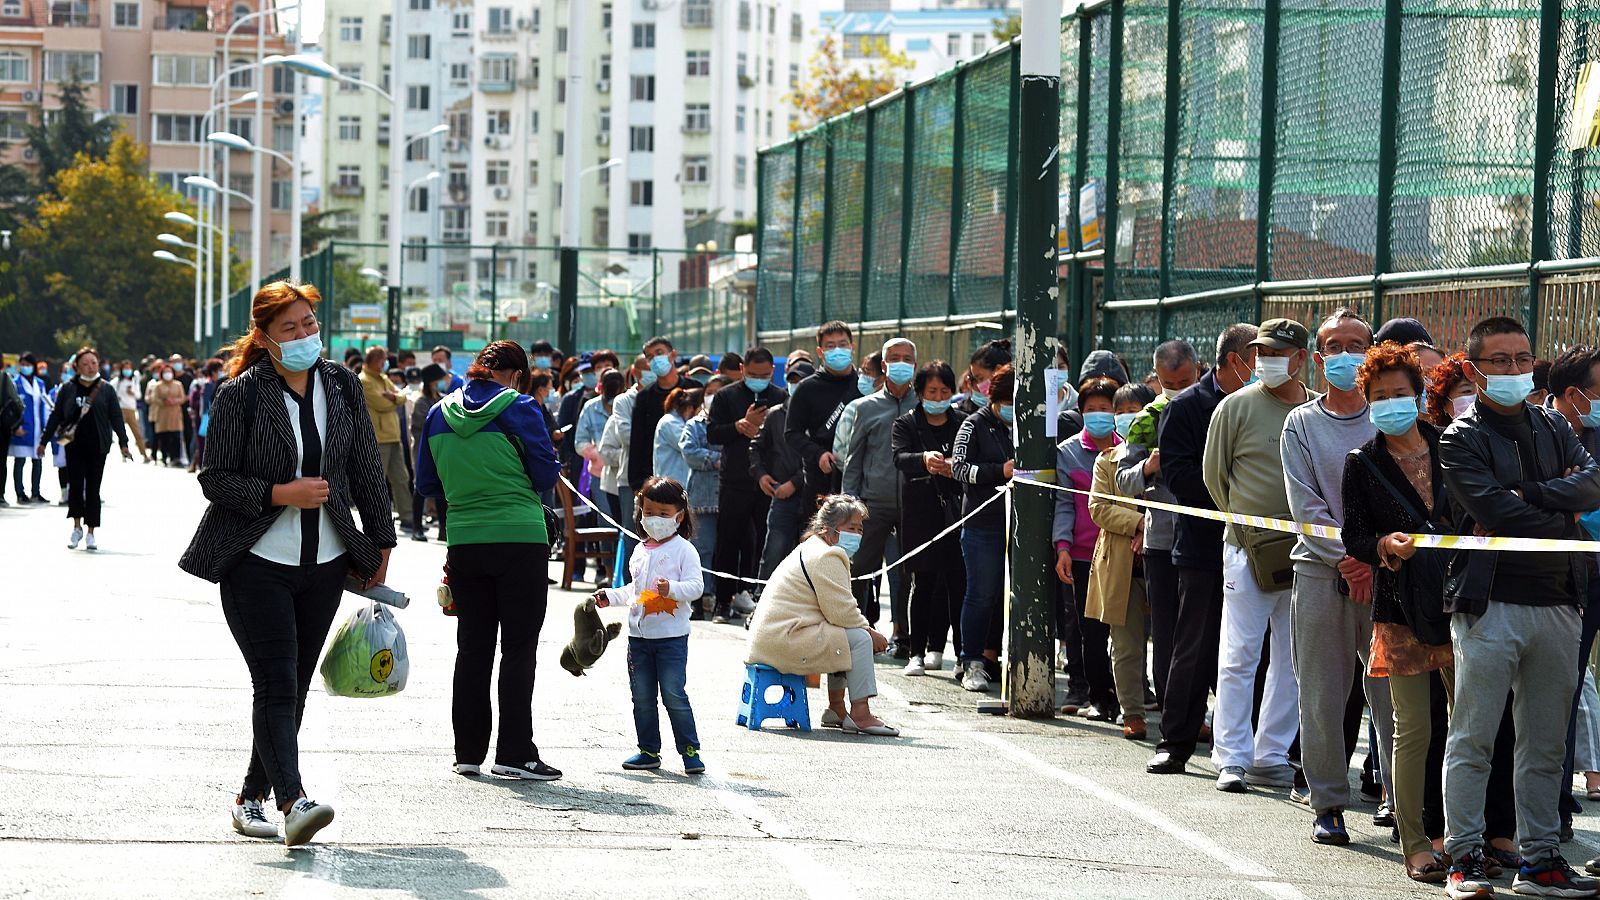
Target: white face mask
{"x":1461,"y":405}
{"x":1170,"y":393}
{"x":1272,"y":370}
{"x":659,"y":527}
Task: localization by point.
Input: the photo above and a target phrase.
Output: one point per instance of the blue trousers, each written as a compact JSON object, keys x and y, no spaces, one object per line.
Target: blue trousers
{"x":660,"y":666}
{"x":984,"y":550}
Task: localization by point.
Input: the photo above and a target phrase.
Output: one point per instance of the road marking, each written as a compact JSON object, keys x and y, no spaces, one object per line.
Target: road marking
{"x":1241,"y":865}
{"x":810,"y":874}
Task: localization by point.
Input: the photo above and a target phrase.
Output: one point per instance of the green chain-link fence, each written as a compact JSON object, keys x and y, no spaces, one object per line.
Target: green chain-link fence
{"x":1220,"y":161}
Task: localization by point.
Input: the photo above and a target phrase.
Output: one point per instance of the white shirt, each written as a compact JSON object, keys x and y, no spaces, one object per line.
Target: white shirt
{"x":675,"y":560}
{"x":128,"y":391}
{"x":281,"y":543}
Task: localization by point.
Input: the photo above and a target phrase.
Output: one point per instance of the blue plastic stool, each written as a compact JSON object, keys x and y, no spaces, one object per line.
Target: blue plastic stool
{"x":791,"y":707}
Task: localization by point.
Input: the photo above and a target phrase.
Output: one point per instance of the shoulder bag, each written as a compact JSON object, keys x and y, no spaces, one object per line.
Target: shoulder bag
{"x":1267,"y":553}
{"x":1422,"y":577}
{"x":69,"y":431}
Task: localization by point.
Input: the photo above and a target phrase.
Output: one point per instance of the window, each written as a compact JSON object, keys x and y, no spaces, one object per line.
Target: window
{"x":498,"y":68}
{"x":385,"y":28}
{"x":772,"y":19}
{"x":383,"y":81}
{"x":561,"y":90}
{"x":533,"y":172}
{"x":644,"y":87}
{"x":605,"y":67}
{"x":696,"y":117}
{"x":183,"y":71}
{"x":349,"y":128}
{"x":350,"y":29}
{"x":419,"y":46}
{"x":282,"y":136}
{"x":605,"y":120}
{"x":698,"y":63}
{"x":457,"y":227}
{"x":641,"y":193}
{"x":14,"y":66}
{"x":769,"y":124}
{"x":500,"y":20}
{"x":383,"y":130}
{"x":497,"y":121}
{"x":125,"y":99}
{"x":638,"y":243}
{"x":697,"y":13}
{"x":561,"y":146}
{"x":11,"y":9}
{"x":460,"y":74}
{"x":744,"y":15}
{"x":980,"y":42}
{"x":641,"y":138}
{"x":422,"y":5}
{"x":348,"y":177}
{"x":349,"y":70}
{"x":769,"y":70}
{"x":602,"y":227}
{"x":533,"y":72}
{"x":497,"y":173}
{"x":417,"y":96}
{"x":952,"y":44}
{"x":458,"y":181}
{"x":496,"y":224}
{"x":739,"y":116}
{"x":417,"y":245}
{"x":173,"y":181}
{"x":282,"y":194}
{"x":417,"y":151}
{"x":533,"y":225}
{"x":561,"y":39}
{"x":741,"y":167}
{"x":460,"y":125}
{"x":13,"y":126}
{"x":60,"y":64}
{"x":644,"y":35}
{"x":175,"y":128}
{"x":240,"y":75}
{"x":461,"y":23}
{"x":418,"y":201}
{"x":794,"y":75}
{"x":243,"y":126}
{"x":533,"y":121}
{"x":125,"y":15}
{"x":797,"y":27}
{"x":696,"y":169}
{"x":742,"y":65}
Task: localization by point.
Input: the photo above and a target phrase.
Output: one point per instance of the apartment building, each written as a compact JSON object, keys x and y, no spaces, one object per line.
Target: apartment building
{"x":150,"y":64}
{"x":935,"y":34}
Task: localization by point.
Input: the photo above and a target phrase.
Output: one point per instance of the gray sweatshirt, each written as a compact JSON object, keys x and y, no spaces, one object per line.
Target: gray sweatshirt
{"x":869,"y":470}
{"x":1131,"y":482}
{"x":1315,"y":444}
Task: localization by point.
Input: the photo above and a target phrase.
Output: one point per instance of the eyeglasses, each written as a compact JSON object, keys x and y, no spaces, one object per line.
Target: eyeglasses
{"x":1334,"y":348}
{"x":1522,"y":362}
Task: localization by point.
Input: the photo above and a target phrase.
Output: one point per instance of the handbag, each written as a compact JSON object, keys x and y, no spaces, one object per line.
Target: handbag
{"x":1423,"y":575}
{"x":1267,"y":553}
{"x":69,"y":431}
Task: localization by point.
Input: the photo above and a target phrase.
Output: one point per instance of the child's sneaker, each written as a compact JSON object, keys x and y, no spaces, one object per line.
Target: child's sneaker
{"x":642,"y":760}
{"x":693,"y":763}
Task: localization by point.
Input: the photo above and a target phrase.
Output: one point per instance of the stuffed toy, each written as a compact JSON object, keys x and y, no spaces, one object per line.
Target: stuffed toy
{"x":589,"y":638}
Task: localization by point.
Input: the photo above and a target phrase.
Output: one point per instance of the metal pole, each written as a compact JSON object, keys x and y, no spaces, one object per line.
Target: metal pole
{"x":1030,"y":682}
{"x":572,"y":178}
{"x":957,"y":169}
{"x":1169,"y":155}
{"x":868,"y":161}
{"x":1082,"y":312}
{"x":494,"y":289}
{"x":1388,"y":148}
{"x":1113,"y":170}
{"x":226,"y":202}
{"x":206,"y":255}
{"x":794,"y":238}
{"x":397,"y":140}
{"x":827,"y":218}
{"x":1543,"y":151}
{"x":257,"y":161}
{"x":1575,"y":206}
{"x":1270,"y":46}
{"x":298,"y":148}
{"x":908,"y":155}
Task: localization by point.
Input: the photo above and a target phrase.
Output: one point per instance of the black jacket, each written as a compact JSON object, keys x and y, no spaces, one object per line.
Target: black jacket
{"x":567,"y":415}
{"x":983,"y":445}
{"x":104,"y":417}
{"x":728,"y":406}
{"x":814,"y":411}
{"x":10,"y":407}
{"x":771,"y":454}
{"x":250,"y":447}
{"x":1372,"y":512}
{"x":1481,"y":468}
{"x":928,"y":503}
{"x":1196,"y":543}
{"x":648,"y":407}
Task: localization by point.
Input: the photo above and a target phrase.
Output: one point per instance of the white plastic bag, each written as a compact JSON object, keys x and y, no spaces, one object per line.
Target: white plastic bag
{"x":367,"y":657}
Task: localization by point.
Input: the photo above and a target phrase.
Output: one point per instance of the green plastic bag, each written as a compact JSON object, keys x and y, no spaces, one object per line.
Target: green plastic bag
{"x":367,"y":657}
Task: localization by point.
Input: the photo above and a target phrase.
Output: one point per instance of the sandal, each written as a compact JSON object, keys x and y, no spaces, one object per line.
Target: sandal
{"x":849,"y":726}
{"x":1593,"y":793}
{"x":1432,"y":872}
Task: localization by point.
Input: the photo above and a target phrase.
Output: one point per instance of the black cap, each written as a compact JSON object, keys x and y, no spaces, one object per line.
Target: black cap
{"x":1404,"y":330}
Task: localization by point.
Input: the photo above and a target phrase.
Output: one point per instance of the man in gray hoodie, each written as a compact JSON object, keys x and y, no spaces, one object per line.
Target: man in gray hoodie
{"x":870,"y":473}
{"x":1331,"y":601}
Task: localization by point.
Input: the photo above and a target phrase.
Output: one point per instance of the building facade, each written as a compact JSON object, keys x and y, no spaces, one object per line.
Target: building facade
{"x":935,"y":34}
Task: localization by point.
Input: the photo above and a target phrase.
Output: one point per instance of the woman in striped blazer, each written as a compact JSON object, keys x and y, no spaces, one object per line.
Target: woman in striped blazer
{"x":290,"y":452}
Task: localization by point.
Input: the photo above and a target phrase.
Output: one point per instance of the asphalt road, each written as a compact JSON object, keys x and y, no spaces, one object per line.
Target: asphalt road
{"x":124,"y":733}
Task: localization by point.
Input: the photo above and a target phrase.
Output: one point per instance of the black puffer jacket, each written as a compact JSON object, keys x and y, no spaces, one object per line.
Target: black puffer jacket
{"x":983,"y":447}
{"x":928,"y":503}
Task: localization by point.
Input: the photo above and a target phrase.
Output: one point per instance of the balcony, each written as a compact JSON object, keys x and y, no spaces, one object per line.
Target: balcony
{"x":497,"y":34}
{"x":67,"y":15}
{"x":697,"y":14}
{"x":496,"y":85}
{"x":180,"y":18}
{"x":347,"y":190}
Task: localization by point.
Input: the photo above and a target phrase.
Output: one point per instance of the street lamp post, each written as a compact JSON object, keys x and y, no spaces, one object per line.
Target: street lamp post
{"x":567,"y":298}
{"x":169,"y":256}
{"x":200,"y":234}
{"x":203,"y":183}
{"x":205,"y":209}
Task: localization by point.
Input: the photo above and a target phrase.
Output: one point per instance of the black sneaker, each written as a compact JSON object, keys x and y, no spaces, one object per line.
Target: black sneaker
{"x":721,"y":614}
{"x":1384,"y":817}
{"x":991,"y":667}
{"x":1467,"y":878}
{"x":1328,"y":828}
{"x":1554,"y":878}
{"x":900,"y":648}
{"x":533,"y":770}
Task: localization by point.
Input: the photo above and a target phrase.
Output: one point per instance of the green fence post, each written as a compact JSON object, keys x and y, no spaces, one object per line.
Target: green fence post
{"x":494,"y":288}
{"x":906,"y":202}
{"x":794,"y":240}
{"x":827,"y":216}
{"x":1268,"y":169}
{"x":867,"y":181}
{"x":957,"y":195}
{"x":1078,"y":271}
{"x":1544,"y":137}
{"x":1113,"y":160}
{"x":1388,"y":148}
{"x":1014,"y":64}
{"x":1169,"y":159}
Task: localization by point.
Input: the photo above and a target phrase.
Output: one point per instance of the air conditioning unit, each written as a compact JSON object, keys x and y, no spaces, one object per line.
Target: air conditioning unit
{"x":28,"y":154}
{"x":455,"y":145}
{"x":30,"y":96}
{"x":502,"y":193}
{"x":603,"y":138}
{"x":284,"y":107}
{"x":603,"y":85}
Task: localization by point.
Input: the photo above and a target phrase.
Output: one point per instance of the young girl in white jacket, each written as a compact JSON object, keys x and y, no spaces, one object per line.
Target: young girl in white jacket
{"x":666,"y":582}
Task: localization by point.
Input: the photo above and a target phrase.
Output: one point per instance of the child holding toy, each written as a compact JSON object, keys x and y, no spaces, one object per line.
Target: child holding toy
{"x":666,"y":582}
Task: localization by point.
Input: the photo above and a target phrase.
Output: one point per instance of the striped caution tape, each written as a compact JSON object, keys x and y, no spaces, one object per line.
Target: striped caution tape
{"x":1423,"y":541}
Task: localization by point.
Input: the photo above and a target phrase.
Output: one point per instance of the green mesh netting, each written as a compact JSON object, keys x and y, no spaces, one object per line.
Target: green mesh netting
{"x":809,"y":229}
{"x":1574,"y":176}
{"x":888,"y":169}
{"x":985,"y":170}
{"x":775,"y":275}
{"x":847,"y":181}
{"x":1139,"y":193}
{"x":927,"y":287}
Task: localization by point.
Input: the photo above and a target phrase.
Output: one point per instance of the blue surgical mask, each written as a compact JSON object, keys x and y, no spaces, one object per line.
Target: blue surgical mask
{"x":1394,"y":416}
{"x":849,"y":542}
{"x":127,"y":373}
{"x":1125,"y":423}
{"x":901,"y":373}
{"x":1099,"y":424}
{"x":647,"y":380}
{"x":442,"y":384}
{"x":541,"y":362}
{"x":866,"y":384}
{"x":757,"y":385}
{"x":298,"y":356}
{"x":27,"y":370}
{"x":1340,"y":370}
{"x":936,"y":407}
{"x":838,"y":359}
{"x":590,"y":379}
{"x":1006,"y":413}
{"x":1591,"y":419}
{"x":979,"y":400}
{"x":66,"y":376}
{"x":177,"y":366}
{"x":661,"y":365}
{"x":1509,"y":390}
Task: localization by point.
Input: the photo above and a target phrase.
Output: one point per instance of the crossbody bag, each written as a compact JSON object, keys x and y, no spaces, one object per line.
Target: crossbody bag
{"x":69,"y":431}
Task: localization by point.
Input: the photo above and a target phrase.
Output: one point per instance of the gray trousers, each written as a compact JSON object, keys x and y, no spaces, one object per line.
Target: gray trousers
{"x":862,"y":679}
{"x":394,"y":469}
{"x":1331,"y":641}
{"x":1528,"y":650}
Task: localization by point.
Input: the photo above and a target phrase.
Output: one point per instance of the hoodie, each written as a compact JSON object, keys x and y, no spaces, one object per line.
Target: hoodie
{"x":486,"y":451}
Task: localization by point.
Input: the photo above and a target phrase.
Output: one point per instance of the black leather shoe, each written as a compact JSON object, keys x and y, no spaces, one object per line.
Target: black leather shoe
{"x":1164,"y":763}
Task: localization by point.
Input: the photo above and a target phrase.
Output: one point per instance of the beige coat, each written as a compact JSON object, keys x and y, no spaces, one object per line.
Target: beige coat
{"x":1111,"y":573}
{"x":799,"y":631}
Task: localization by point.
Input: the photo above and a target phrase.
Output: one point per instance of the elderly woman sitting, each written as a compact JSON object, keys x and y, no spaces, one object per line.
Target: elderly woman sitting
{"x":808,"y":622}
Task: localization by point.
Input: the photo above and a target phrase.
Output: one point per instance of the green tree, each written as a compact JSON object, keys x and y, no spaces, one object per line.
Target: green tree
{"x":317,"y":229}
{"x":1005,"y":29}
{"x":74,"y":130}
{"x":84,"y":265}
{"x":835,"y":85}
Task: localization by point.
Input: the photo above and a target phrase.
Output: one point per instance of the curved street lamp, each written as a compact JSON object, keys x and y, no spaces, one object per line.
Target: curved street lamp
{"x":169,"y":256}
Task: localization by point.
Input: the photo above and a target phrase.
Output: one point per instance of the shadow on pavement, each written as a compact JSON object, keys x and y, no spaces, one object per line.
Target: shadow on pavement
{"x":432,"y":872}
{"x":566,"y":798}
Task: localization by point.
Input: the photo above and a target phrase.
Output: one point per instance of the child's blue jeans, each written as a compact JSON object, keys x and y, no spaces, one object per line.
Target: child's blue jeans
{"x":660,"y":666}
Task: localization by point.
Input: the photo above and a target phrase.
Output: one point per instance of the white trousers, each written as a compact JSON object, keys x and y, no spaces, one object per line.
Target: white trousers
{"x":1247,"y":612}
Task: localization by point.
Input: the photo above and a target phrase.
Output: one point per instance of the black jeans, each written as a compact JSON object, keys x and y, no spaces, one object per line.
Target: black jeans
{"x":17,"y":466}
{"x":1591,"y":623}
{"x":498,"y":588}
{"x":741,"y":532}
{"x":420,"y":503}
{"x":279,"y":615}
{"x":935,"y":610}
{"x":1161,"y":586}
{"x":86,"y":466}
{"x":1194,"y":659}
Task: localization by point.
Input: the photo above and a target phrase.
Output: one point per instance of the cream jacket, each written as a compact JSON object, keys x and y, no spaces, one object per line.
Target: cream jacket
{"x":801,"y":631}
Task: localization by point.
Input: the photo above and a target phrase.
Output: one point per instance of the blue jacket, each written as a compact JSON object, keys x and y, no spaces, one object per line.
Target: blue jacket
{"x":705,"y":465}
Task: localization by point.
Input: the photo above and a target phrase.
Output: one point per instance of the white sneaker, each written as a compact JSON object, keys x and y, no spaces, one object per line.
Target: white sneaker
{"x":77,"y":535}
{"x":304,"y":819}
{"x":468,"y":769}
{"x":250,"y":820}
{"x":914,"y":667}
{"x":973,"y":677}
{"x":88,"y":542}
{"x":933,"y":662}
{"x":743,"y":603}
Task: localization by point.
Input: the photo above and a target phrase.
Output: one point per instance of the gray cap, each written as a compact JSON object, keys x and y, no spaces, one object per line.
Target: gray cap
{"x":1103,"y":363}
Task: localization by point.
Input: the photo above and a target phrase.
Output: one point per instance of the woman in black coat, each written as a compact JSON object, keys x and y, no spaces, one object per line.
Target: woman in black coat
{"x":88,"y":404}
{"x":930,"y":501}
{"x":290,"y":453}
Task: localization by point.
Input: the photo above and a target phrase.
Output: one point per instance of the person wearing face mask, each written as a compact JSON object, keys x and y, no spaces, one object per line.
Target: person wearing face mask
{"x":1513,"y":470}
{"x":434,"y":382}
{"x":808,"y":622}
{"x":10,"y":415}
{"x":649,"y":408}
{"x":775,"y":462}
{"x":735,"y":416}
{"x":816,"y":405}
{"x":129,"y":392}
{"x":982,"y":459}
{"x":486,"y":450}
{"x":87,"y":405}
{"x":1450,"y":392}
{"x":1332,"y":595}
{"x":1074,"y":534}
{"x":184,"y":374}
{"x":1196,"y":550}
{"x":1243,"y":472}
{"x":869,"y":379}
{"x":615,"y":441}
{"x":34,"y":393}
{"x":383,"y":407}
{"x":289,"y":460}
{"x":168,"y":401}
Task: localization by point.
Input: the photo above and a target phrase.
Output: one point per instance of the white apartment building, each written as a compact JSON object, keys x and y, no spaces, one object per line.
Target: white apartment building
{"x":935,"y":34}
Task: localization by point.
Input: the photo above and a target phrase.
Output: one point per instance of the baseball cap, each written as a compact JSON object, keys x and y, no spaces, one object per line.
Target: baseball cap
{"x":798,"y":371}
{"x":1282,"y":334}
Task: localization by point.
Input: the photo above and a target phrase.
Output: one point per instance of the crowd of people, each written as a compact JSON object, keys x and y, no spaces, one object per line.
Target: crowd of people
{"x":794,"y":492}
